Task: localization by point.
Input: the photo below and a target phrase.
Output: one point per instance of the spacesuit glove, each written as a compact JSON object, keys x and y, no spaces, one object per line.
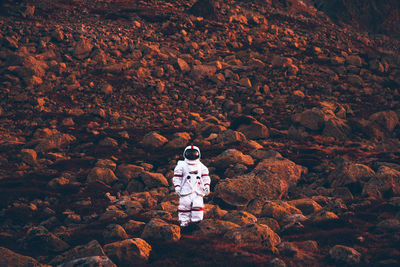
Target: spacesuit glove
{"x":206,"y":190}
{"x":178,"y":193}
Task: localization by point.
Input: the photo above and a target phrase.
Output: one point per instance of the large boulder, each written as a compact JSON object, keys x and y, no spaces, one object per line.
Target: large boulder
{"x":259,"y":234}
{"x":11,"y":259}
{"x":254,"y":130}
{"x":127,"y":172}
{"x":56,"y":141}
{"x":232,"y":156}
{"x":238,"y":191}
{"x":345,"y":255}
{"x":93,"y":248}
{"x":114,"y":232}
{"x":83,"y":48}
{"x":312,"y":119}
{"x":200,"y":72}
{"x":324,"y":119}
{"x":286,"y":169}
{"x":240,"y":217}
{"x":278,"y":210}
{"x":158,"y":229}
{"x":271,"y":179}
{"x":306,"y":205}
{"x":351,"y":175}
{"x":386,"y":183}
{"x":128,"y":252}
{"x":180,"y":140}
{"x":152,"y":179}
{"x":154,"y":140}
{"x":40,"y":238}
{"x":230,"y":136}
{"x":104,"y":175}
{"x":382,"y":124}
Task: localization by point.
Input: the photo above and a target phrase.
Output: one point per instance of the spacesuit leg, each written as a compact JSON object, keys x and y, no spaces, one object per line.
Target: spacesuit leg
{"x":197,"y":208}
{"x":184,"y":209}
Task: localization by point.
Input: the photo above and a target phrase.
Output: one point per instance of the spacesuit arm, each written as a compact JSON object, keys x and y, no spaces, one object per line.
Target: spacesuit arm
{"x":206,"y":179}
{"x":177,"y":179}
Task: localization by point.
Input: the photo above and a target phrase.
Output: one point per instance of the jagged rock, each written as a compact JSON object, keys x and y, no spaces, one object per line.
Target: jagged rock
{"x":313,"y":119}
{"x":351,"y":175}
{"x":152,"y":179}
{"x":337,"y":128}
{"x":259,"y":234}
{"x":270,"y":222}
{"x":93,"y":248}
{"x":134,"y":227}
{"x":40,"y":238}
{"x":213,"y":212}
{"x":200,"y":72}
{"x":323,"y":216}
{"x":286,"y":169}
{"x":127,"y":172}
{"x":254,"y":130}
{"x":148,"y":200}
{"x":29,"y":156}
{"x":281,"y":62}
{"x":132,"y":207}
{"x":154,"y":140}
{"x":354,"y":60}
{"x":11,"y":259}
{"x":255,"y":205}
{"x":109,"y":142}
{"x":93,"y":261}
{"x":56,"y":141}
{"x":382,"y":124}
{"x":343,"y":254}
{"x":58,"y":182}
{"x":215,"y":227}
{"x":158,"y":229}
{"x":240,"y":217}
{"x":114,"y":232}
{"x":245,"y":82}
{"x":183,"y":66}
{"x":113,"y":215}
{"x":278,"y":210}
{"x":83,"y":48}
{"x":306,"y":205}
{"x":386,"y":183}
{"x":106,"y":163}
{"x":238,"y":191}
{"x":128,"y":252}
{"x":232,"y":156}
{"x":229,"y":136}
{"x":180,"y":140}
{"x":104,"y":175}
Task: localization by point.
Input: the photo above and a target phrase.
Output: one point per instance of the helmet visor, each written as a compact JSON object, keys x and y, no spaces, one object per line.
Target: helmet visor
{"x":192,"y":154}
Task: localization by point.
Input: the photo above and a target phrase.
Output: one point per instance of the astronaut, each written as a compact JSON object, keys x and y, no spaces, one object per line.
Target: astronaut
{"x":192,"y":183}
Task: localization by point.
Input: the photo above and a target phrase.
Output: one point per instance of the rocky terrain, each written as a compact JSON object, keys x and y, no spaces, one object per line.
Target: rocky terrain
{"x":296,"y":114}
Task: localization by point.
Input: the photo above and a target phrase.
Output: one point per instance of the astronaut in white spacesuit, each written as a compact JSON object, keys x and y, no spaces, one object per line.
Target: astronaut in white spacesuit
{"x":192,"y":183}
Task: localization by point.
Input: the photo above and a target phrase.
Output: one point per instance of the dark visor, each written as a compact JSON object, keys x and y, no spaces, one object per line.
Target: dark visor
{"x":192,"y":154}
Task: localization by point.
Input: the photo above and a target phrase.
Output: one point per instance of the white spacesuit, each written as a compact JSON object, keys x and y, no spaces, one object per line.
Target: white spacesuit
{"x":192,"y":183}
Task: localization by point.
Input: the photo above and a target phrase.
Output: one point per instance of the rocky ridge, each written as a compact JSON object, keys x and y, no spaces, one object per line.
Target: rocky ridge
{"x":297,"y":119}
